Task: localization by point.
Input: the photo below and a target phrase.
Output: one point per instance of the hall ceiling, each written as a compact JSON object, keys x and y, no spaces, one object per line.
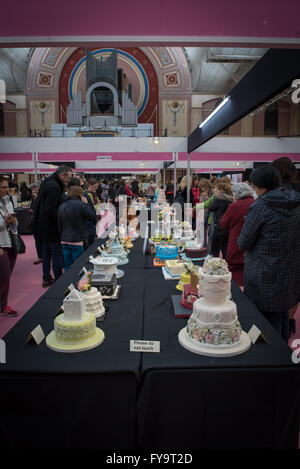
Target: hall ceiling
{"x":214,"y":70}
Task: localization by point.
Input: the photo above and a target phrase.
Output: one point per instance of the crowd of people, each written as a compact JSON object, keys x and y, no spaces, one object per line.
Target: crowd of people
{"x":254,"y":225}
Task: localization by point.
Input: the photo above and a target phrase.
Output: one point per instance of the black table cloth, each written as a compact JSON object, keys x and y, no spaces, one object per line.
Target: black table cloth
{"x":80,"y":400}
{"x":109,"y":397}
{"x":191,"y":401}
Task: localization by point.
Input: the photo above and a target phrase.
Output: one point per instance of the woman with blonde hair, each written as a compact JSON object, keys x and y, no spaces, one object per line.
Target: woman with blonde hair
{"x":183,"y":190}
{"x":223,"y":198}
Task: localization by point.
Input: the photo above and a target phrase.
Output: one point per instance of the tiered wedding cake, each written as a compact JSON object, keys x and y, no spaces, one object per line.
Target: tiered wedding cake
{"x":75,"y":330}
{"x":94,"y":303}
{"x":213,"y":328}
{"x":115,"y":249}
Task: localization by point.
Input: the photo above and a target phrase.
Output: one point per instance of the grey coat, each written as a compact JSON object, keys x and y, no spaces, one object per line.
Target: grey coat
{"x":270,"y":237}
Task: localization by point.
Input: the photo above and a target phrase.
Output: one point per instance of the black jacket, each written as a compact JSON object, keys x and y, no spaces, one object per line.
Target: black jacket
{"x":219,"y":206}
{"x":73,"y":218}
{"x":135,"y":188}
{"x":184,"y":195}
{"x":271,"y":241}
{"x":45,"y":222}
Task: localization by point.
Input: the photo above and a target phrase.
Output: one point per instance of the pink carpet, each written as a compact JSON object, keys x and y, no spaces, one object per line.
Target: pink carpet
{"x":25,"y":286}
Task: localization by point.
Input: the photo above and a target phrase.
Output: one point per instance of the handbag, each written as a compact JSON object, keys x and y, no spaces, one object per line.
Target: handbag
{"x":17,"y":243}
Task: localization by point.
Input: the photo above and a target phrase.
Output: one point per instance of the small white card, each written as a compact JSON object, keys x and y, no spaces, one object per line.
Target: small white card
{"x":69,"y":289}
{"x":83,"y":271}
{"x":255,"y":334}
{"x":37,"y":335}
{"x":91,"y":258}
{"x":144,"y":346}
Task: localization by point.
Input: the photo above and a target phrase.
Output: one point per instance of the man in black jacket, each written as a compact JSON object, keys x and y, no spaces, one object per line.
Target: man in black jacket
{"x":45,"y":222}
{"x":135,"y":186}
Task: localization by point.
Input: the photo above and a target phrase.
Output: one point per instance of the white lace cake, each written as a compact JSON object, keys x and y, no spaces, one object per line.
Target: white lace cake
{"x":213,"y":328}
{"x":75,"y":330}
{"x":94,"y":303}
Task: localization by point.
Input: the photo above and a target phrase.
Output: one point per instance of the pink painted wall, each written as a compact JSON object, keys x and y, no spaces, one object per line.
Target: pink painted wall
{"x":160,"y":18}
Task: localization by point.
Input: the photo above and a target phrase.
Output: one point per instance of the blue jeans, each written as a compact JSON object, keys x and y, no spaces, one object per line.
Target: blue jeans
{"x":52,"y":252}
{"x":71,"y":253}
{"x":280,"y":322}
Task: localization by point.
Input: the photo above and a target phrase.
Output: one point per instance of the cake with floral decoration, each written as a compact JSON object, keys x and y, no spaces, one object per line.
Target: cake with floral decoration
{"x":93,"y":298}
{"x":213,"y":328}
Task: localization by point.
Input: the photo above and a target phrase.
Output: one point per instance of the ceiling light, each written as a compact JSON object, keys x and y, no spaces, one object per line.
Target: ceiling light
{"x":225,"y":100}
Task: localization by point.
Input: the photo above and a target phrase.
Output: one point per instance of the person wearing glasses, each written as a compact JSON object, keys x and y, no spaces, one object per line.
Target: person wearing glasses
{"x":45,"y":222}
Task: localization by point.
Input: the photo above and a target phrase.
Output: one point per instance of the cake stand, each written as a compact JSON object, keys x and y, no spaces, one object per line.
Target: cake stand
{"x":120,"y":273}
{"x":83,"y":346}
{"x":210,"y":350}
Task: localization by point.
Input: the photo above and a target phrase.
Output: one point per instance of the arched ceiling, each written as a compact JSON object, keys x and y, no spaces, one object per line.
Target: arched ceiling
{"x":212,"y":70}
{"x":13,"y":68}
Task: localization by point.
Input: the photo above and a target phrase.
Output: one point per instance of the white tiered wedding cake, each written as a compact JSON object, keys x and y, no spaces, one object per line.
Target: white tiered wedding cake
{"x":75,"y":330}
{"x":213,"y":328}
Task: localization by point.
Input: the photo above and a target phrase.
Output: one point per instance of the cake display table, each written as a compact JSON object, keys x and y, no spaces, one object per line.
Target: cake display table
{"x":151,"y":396}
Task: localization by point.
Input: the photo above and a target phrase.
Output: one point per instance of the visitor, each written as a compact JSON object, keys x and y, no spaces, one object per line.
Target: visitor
{"x":196,"y":196}
{"x":8,"y":257}
{"x":195,"y":190}
{"x":91,"y":192}
{"x":183,"y":190}
{"x":128,"y":191}
{"x":134,"y":186}
{"x":170,"y":192}
{"x":270,"y":239}
{"x":25,"y":192}
{"x":206,"y":198}
{"x":223,"y":198}
{"x":111,"y":192}
{"x":290,"y":180}
{"x":37,"y":240}
{"x":233,"y":221}
{"x":92,"y":198}
{"x":73,"y":218}
{"x":103,"y":190}
{"x":45,"y":223}
{"x":151,"y":191}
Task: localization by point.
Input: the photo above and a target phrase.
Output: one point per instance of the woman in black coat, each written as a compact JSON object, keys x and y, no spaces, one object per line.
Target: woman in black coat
{"x":223,"y":198}
{"x":289,"y":179}
{"x":73,"y":218}
{"x":271,"y":241}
